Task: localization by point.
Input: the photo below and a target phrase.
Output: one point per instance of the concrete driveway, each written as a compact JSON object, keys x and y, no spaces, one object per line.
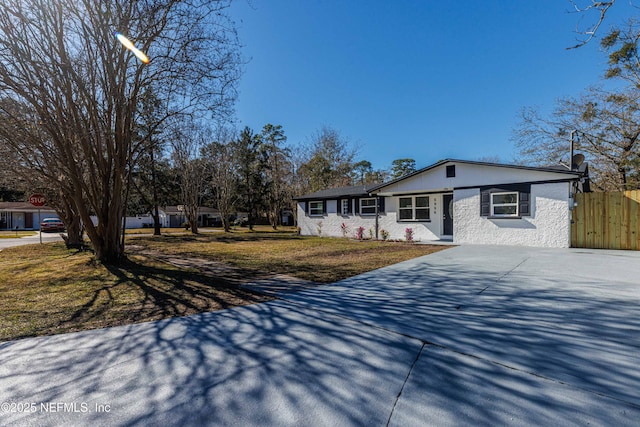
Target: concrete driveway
{"x":467,"y":336}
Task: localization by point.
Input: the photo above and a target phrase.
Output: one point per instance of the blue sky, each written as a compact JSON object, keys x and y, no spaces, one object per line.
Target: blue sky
{"x":422,"y":79}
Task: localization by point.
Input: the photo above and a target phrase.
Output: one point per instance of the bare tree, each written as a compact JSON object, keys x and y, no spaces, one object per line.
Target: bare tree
{"x":608,"y":125}
{"x":189,"y":139}
{"x":328,"y":162}
{"x":590,"y":7}
{"x":42,"y":171}
{"x":223,"y":168}
{"x":60,"y":60}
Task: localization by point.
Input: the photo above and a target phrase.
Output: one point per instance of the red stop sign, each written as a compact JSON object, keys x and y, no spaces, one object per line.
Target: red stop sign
{"x":36,"y":200}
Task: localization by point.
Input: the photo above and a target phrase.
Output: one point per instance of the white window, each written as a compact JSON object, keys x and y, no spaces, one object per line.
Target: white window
{"x":345,"y":207}
{"x":504,"y":204}
{"x":367,"y":206}
{"x":414,"y":208}
{"x":316,"y":208}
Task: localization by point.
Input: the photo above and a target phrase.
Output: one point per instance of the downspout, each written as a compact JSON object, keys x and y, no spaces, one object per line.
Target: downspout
{"x":572,"y":186}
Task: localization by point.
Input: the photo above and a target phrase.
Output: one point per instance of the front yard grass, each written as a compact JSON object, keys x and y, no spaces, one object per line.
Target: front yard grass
{"x":8,"y":234}
{"x":47,"y":289}
{"x":319,"y":259}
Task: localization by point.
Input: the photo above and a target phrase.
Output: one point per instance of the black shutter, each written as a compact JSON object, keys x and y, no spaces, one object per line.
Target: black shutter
{"x":485,"y":202}
{"x":306,"y":207}
{"x":524,"y":198}
{"x":324,"y":207}
{"x":380,"y":204}
{"x":357,"y":209}
{"x":524,"y":203}
{"x":350,"y":208}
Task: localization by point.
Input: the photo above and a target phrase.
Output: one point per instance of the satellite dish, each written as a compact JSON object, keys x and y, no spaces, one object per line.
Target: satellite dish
{"x":577,"y":160}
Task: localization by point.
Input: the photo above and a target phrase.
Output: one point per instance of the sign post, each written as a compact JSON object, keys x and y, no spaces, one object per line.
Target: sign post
{"x":38,"y":201}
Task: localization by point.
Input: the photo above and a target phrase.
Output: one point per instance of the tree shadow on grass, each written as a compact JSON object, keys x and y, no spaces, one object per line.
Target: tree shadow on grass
{"x":144,"y":292}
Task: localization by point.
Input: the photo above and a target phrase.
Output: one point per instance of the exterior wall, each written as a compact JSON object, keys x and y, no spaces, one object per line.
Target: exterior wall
{"x":548,"y":225}
{"x":330,"y":224}
{"x":422,"y":230}
{"x":140,"y":221}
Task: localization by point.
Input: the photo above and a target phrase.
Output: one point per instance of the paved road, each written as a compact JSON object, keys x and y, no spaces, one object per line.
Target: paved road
{"x":30,"y":240}
{"x":466,"y":336}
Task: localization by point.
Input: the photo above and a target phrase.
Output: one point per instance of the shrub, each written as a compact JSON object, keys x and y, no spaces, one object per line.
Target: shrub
{"x":319,"y":228}
{"x":360,"y":233}
{"x":408,"y":234}
{"x":345,"y":229}
{"x":384,"y":234}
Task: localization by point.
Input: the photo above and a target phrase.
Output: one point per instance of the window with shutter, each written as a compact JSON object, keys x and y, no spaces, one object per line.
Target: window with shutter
{"x":504,"y":204}
{"x":506,"y":201}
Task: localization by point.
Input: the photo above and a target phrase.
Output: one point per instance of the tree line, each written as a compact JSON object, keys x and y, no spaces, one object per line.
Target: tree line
{"x":257,"y":173}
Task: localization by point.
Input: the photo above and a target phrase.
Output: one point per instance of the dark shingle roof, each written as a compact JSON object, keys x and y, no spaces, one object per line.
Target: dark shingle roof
{"x":334,"y":193}
{"x":363,"y":191}
{"x":22,"y":207}
{"x":556,"y":169}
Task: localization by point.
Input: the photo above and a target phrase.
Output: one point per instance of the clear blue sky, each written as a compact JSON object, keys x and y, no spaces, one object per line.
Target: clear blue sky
{"x":422,"y":79}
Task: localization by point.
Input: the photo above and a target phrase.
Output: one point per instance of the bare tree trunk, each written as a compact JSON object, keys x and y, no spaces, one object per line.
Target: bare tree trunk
{"x":73,"y":223}
{"x":155,"y":214}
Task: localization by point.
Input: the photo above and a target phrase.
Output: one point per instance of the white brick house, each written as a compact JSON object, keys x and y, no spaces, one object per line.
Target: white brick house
{"x":454,"y":200}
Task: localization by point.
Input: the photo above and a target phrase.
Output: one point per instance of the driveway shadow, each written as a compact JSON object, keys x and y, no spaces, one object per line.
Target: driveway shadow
{"x":522,"y":308}
{"x":267,"y":364}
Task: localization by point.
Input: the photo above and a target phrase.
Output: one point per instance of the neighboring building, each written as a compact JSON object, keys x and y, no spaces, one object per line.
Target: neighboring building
{"x":466,"y":202}
{"x":23,"y":215}
{"x":171,"y":217}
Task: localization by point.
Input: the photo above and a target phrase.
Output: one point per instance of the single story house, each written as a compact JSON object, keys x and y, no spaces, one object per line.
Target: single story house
{"x":170,"y":217}
{"x":173,"y":216}
{"x":23,"y":215}
{"x":461,"y":201}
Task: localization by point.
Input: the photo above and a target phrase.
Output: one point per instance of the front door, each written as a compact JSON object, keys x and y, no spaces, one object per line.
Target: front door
{"x":447,"y":216}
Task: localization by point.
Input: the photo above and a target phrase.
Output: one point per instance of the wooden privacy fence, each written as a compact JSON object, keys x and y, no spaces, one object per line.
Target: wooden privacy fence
{"x":606,"y":220}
